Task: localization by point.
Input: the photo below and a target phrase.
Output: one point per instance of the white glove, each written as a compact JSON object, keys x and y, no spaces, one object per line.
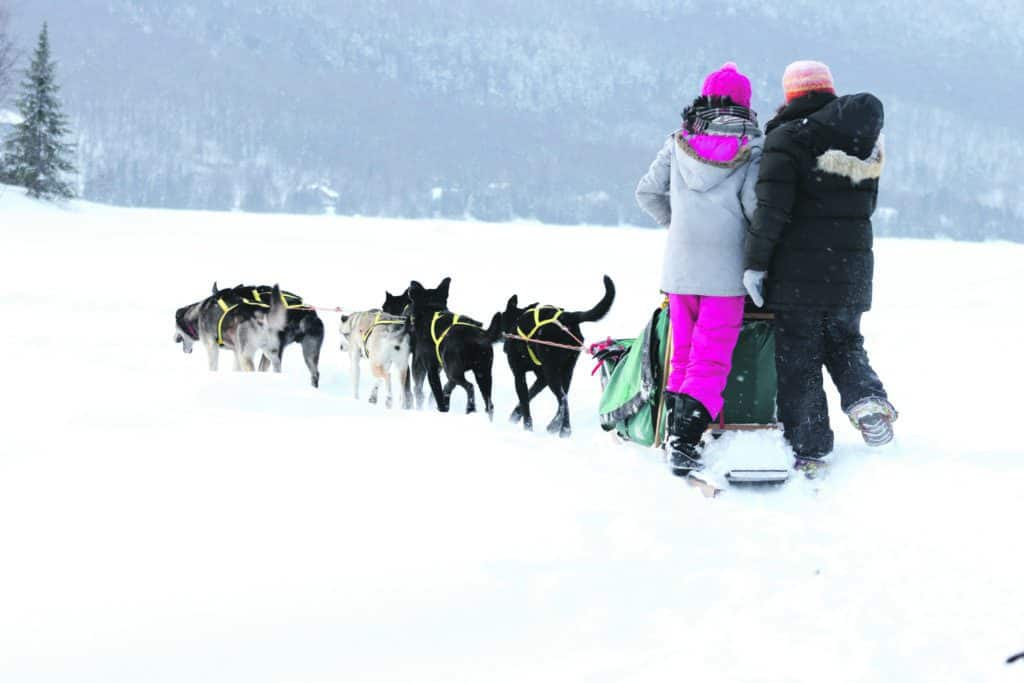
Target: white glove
{"x":753,"y":282}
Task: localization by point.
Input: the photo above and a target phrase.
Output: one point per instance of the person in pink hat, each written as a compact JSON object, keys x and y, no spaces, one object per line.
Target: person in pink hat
{"x":701,"y":187}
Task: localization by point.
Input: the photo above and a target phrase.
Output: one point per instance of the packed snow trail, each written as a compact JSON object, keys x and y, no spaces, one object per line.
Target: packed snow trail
{"x":163,"y":523}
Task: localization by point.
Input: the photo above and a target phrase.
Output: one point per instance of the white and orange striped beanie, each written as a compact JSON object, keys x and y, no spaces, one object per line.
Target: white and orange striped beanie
{"x":805,"y":77}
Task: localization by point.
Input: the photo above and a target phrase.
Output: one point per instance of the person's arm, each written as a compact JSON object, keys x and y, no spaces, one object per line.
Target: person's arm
{"x":652,"y":192}
{"x":748,"y":193}
{"x":776,"y":194}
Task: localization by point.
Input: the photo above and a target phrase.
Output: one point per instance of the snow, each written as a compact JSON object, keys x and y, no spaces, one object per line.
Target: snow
{"x":162,"y":523}
{"x":10,"y":118}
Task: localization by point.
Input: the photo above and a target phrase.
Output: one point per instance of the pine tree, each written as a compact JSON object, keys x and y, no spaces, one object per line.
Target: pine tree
{"x":8,"y":55}
{"x":37,"y":156}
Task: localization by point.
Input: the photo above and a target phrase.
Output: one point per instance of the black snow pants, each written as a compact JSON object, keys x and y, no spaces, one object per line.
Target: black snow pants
{"x":804,"y":342}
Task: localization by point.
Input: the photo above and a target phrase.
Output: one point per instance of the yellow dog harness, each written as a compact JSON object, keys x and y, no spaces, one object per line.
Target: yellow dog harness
{"x":285,"y":297}
{"x":377,"y":321}
{"x":256,"y":300}
{"x":225,"y":308}
{"x":439,"y":338}
{"x":537,"y":325}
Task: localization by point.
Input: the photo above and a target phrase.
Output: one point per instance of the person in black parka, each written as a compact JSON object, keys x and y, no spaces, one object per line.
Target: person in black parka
{"x":808,"y":256}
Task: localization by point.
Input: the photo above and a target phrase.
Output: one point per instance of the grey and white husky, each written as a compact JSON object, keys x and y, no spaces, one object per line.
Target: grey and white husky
{"x":246,"y":330}
{"x":384,"y":340}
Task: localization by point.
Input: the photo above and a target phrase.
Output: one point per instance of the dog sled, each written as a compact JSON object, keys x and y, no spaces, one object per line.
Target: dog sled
{"x":634,"y":372}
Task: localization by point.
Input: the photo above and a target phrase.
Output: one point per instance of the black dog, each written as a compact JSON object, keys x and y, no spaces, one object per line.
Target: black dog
{"x":303,"y":327}
{"x":553,"y":365}
{"x":444,"y":340}
{"x":398,"y":305}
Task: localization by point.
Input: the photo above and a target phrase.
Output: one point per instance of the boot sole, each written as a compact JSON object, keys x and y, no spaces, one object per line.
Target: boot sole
{"x":876,"y":433}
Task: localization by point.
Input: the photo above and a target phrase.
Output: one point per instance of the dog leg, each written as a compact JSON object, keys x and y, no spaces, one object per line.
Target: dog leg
{"x":380,"y":373}
{"x":389,"y":399}
{"x":264,"y":362}
{"x":403,"y":378}
{"x":449,"y":387}
{"x":419,"y":374}
{"x":470,"y":396}
{"x":434,"y":377}
{"x":538,"y":386}
{"x":311,"y":354}
{"x":566,"y":431}
{"x":275,"y":359}
{"x":560,"y":424}
{"x":353,"y":355}
{"x":483,"y":380}
{"x":555,"y":426}
{"x":246,"y":362}
{"x":522,"y":411}
{"x":457,"y":377}
{"x":212,"y":354}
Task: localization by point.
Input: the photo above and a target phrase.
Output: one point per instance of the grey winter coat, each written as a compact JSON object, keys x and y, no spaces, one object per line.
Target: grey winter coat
{"x":707,"y":207}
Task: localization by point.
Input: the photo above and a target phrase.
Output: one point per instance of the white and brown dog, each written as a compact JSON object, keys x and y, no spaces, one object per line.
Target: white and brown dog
{"x":385,"y":341}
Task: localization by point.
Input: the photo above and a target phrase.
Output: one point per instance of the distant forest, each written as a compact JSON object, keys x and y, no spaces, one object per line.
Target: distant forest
{"x":496,"y":110}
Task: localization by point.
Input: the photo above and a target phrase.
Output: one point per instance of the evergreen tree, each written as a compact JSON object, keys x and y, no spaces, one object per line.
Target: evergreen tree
{"x":8,"y":55}
{"x":37,"y":156}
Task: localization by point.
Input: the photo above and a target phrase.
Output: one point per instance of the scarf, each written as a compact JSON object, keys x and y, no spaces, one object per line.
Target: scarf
{"x":730,"y":121}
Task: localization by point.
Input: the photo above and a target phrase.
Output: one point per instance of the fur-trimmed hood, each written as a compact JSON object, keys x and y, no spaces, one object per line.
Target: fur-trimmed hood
{"x":857,"y":170}
{"x":851,"y":124}
{"x":703,"y":174}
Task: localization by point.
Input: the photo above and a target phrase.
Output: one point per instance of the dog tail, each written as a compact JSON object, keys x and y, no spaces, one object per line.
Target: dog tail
{"x":597,"y":312}
{"x":494,"y":331}
{"x":277,"y":315}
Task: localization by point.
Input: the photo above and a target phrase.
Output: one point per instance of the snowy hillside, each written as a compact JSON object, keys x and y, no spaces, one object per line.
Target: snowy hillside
{"x":534,"y":109}
{"x":162,"y":523}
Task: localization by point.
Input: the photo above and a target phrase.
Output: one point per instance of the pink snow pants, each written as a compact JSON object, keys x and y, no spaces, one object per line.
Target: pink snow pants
{"x":704,"y":333}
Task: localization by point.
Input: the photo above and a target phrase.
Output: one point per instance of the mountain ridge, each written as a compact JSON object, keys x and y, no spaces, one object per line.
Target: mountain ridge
{"x":511,"y":110}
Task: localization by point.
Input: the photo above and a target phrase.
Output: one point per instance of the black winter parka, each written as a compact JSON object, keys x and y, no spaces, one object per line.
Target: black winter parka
{"x":816,"y":191}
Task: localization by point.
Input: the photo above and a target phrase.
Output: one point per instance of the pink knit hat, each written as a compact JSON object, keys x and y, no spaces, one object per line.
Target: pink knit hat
{"x":728,"y":82}
{"x":805,"y":77}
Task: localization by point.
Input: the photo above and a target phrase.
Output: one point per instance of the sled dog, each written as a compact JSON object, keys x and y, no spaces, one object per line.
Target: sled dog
{"x":244,"y":329}
{"x":384,"y":340}
{"x":528,"y":332}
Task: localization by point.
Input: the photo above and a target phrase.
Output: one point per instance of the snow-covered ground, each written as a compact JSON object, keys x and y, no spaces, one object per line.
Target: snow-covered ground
{"x":161,"y":523}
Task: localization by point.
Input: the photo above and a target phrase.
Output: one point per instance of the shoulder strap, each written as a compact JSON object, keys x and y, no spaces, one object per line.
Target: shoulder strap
{"x":225,"y":308}
{"x":440,"y":338}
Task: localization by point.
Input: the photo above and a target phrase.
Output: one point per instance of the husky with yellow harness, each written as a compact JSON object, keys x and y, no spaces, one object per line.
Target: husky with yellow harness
{"x":453,"y":343}
{"x":385,"y":341}
{"x":547,"y":341}
{"x":245,"y":329}
{"x":303,"y":326}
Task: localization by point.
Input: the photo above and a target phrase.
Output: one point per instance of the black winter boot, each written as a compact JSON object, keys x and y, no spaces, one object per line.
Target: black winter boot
{"x":687,"y":420}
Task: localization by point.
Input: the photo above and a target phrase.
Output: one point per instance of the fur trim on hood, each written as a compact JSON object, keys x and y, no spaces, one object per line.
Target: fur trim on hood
{"x":857,"y":170}
{"x":742,"y":156}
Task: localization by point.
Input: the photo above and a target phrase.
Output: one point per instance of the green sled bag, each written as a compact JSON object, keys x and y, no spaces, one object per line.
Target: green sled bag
{"x":633,"y":377}
{"x":634,"y":373}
